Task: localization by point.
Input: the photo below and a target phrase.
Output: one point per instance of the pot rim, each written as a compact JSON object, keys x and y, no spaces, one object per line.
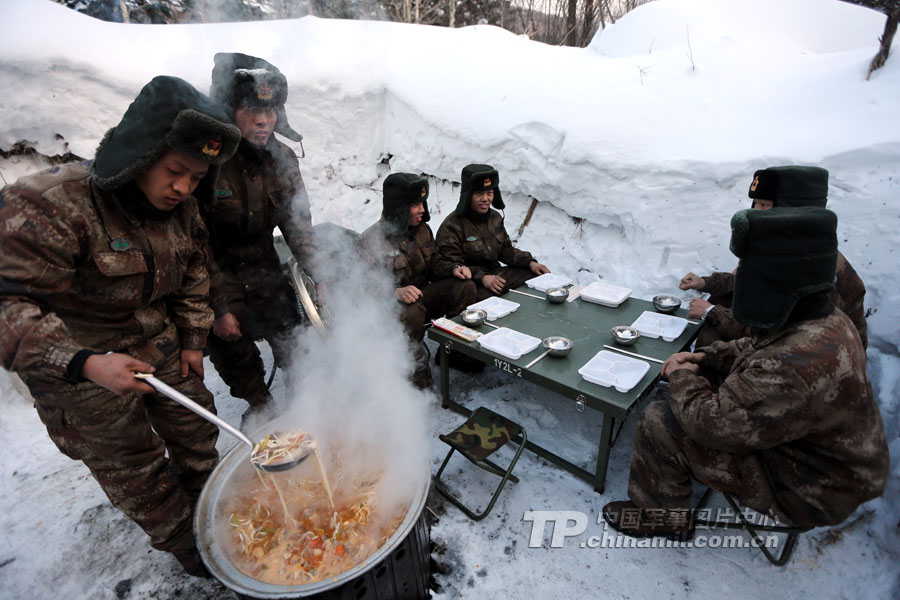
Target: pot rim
{"x":223,"y":570}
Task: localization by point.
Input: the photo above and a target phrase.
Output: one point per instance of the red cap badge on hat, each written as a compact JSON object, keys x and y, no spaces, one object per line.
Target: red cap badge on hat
{"x":487,"y":182}
{"x":213,"y":147}
{"x":264,"y":92}
{"x":424,"y":192}
{"x":754,"y":184}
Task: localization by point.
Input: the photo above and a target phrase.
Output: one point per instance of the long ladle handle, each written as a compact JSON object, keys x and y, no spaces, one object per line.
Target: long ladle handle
{"x":186,"y":402}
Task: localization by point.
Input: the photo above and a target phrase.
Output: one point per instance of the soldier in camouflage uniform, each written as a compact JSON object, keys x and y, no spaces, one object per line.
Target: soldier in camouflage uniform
{"x":402,"y":242}
{"x":794,"y":431}
{"x":472,"y":240}
{"x":783,"y":187}
{"x":258,"y":189}
{"x":103,"y":274}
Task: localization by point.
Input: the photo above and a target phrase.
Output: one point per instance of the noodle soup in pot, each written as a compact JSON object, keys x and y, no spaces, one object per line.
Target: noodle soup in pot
{"x":282,"y":535}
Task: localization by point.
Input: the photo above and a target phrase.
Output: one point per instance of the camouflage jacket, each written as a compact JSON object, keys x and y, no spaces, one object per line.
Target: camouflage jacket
{"x":78,"y":272}
{"x":848,"y":295}
{"x":479,"y":245}
{"x":256,"y":191}
{"x":800,"y":399}
{"x":412,"y":260}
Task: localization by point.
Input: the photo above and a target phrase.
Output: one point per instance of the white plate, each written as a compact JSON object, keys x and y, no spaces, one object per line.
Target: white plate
{"x":614,"y":370}
{"x":544,"y":282}
{"x":606,"y":294}
{"x":495,"y":307}
{"x":509,"y":343}
{"x":654,"y":325}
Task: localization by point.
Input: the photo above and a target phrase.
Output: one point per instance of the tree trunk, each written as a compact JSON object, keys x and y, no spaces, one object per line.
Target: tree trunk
{"x":890,"y":28}
{"x":570,"y":39}
{"x":588,"y":25}
{"x":452,"y":13}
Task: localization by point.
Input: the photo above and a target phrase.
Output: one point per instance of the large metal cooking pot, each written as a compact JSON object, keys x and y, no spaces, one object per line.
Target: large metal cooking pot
{"x":408,"y":548}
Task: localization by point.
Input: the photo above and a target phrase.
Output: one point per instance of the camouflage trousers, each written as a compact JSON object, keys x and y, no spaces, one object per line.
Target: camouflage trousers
{"x":665,"y":461}
{"x":269,"y":314}
{"x":514,"y":276}
{"x":123,"y":440}
{"x":445,"y":297}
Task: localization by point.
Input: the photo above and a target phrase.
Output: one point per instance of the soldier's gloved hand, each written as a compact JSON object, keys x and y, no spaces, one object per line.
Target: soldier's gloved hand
{"x":697,"y":308}
{"x":494,"y":283}
{"x":692,"y":281}
{"x":116,"y":372}
{"x":191,"y":359}
{"x":408,"y":294}
{"x":537,"y":268}
{"x":227,"y":328}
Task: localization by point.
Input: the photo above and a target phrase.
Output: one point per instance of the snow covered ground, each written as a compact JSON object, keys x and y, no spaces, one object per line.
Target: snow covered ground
{"x":638,"y":149}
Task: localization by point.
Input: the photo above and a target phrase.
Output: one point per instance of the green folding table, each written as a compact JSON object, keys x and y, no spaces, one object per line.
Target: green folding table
{"x":587,"y":324}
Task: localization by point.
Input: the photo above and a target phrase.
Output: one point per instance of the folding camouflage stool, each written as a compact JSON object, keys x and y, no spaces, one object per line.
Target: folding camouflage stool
{"x":792,"y":532}
{"x":483,"y":434}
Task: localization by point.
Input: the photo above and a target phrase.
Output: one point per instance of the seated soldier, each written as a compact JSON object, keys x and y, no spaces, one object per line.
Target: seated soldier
{"x":402,"y":241}
{"x":472,"y":240}
{"x":793,"y":431}
{"x":780,"y":187}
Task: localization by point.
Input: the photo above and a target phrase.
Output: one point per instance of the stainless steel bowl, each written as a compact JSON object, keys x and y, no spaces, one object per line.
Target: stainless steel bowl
{"x":557,"y":295}
{"x":558,"y":346}
{"x":473,"y":317}
{"x":666,"y":304}
{"x":624,"y":335}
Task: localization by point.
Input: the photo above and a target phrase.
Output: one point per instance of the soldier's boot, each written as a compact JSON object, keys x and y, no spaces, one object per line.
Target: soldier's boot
{"x":629,"y":519}
{"x":258,"y":406}
{"x":192,"y":563}
{"x":421,"y":376}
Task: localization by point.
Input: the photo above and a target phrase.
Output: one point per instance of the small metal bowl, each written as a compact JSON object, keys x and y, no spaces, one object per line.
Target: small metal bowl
{"x":473,"y":317}
{"x":624,"y":335}
{"x":557,"y":295}
{"x":666,"y":304}
{"x":557,"y":345}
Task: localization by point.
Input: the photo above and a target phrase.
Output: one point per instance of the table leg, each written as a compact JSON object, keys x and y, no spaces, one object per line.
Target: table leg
{"x":445,"y":374}
{"x":603,"y":453}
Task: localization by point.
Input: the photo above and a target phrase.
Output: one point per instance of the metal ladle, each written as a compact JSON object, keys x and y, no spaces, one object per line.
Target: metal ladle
{"x":186,"y":402}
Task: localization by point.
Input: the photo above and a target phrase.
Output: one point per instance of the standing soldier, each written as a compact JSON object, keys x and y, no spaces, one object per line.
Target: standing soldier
{"x":775,"y":187}
{"x":103,"y":274}
{"x":794,"y":430}
{"x":258,"y":189}
{"x":472,"y":240}
{"x":402,"y":241}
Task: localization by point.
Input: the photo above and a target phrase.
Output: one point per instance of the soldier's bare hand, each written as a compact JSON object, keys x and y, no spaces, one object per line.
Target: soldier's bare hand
{"x":462,"y":272}
{"x":116,"y":372}
{"x":537,"y":268}
{"x":494,"y":283}
{"x":408,"y":294}
{"x":697,"y":308}
{"x":193,"y":360}
{"x":682,"y":360}
{"x":692,"y":281}
{"x":227,"y":328}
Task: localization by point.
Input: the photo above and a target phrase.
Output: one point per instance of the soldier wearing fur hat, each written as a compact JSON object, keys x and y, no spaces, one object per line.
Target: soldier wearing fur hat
{"x":103,"y":274}
{"x":473,"y":242}
{"x":402,"y":242}
{"x":791,"y":186}
{"x":794,"y":431}
{"x":258,"y":189}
